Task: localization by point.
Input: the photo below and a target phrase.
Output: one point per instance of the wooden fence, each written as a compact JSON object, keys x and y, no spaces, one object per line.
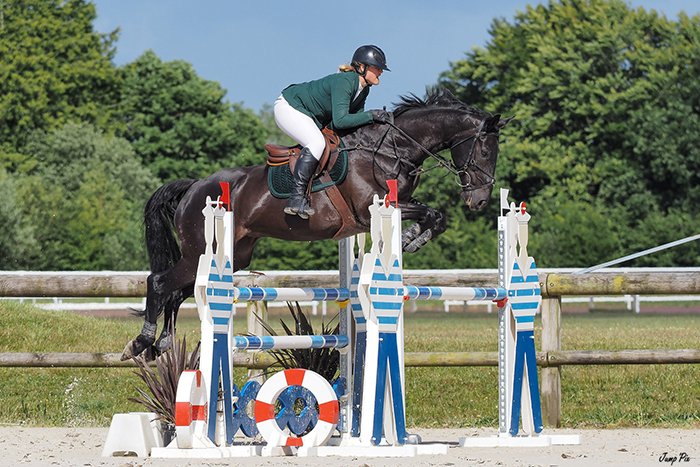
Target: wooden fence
{"x":554,"y":286}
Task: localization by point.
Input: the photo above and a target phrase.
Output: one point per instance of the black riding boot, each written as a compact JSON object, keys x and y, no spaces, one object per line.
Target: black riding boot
{"x":298,"y":203}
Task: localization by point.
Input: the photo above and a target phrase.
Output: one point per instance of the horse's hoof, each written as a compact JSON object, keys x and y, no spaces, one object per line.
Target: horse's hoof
{"x":136,"y":347}
{"x":409,"y":234}
{"x":163,"y":344}
{"x":150,"y":354}
{"x":129,"y":351}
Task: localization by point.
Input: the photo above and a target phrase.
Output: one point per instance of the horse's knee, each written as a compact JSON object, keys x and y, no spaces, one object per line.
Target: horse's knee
{"x":428,"y":220}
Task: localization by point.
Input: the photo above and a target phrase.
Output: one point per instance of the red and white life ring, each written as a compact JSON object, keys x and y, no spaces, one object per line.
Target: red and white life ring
{"x":190,"y":409}
{"x":328,"y":408}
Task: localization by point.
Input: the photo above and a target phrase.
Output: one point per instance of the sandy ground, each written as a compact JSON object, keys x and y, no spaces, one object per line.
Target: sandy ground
{"x":21,"y":446}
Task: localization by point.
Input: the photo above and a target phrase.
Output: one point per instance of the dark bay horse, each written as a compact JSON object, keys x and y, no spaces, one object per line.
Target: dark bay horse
{"x":378,"y":152}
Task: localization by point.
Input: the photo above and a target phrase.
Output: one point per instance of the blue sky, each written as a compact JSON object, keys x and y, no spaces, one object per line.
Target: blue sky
{"x":255,"y":48}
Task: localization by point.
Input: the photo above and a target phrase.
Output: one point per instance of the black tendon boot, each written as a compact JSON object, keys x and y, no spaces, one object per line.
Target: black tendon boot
{"x":298,"y":203}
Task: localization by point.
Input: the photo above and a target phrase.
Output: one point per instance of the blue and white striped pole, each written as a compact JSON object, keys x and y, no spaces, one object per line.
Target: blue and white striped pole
{"x":291,"y":294}
{"x":455,"y":293}
{"x":290,"y":342}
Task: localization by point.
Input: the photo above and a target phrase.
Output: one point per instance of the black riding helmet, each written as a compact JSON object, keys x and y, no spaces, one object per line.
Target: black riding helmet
{"x":370,"y":55}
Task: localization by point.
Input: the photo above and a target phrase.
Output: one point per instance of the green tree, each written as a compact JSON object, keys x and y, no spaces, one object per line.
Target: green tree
{"x":16,"y":234}
{"x":179,"y":123}
{"x":272,"y":254}
{"x":54,"y":68}
{"x":606,"y":100}
{"x":84,"y":200}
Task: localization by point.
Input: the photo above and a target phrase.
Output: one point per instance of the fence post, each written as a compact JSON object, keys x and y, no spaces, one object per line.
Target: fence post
{"x":551,"y":376}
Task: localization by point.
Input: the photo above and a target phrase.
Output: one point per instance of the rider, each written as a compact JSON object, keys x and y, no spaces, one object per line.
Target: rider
{"x":337,"y":101}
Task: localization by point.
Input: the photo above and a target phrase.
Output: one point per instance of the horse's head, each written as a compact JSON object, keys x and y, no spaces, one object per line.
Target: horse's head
{"x":474,"y":154}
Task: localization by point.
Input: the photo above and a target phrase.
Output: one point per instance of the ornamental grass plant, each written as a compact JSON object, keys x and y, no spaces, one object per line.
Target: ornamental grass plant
{"x":325,"y":362}
{"x":162,"y":383}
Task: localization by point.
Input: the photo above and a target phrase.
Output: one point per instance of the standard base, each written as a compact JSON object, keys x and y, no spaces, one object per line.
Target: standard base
{"x":173,"y":452}
{"x":352,"y":449}
{"x":133,"y":433}
{"x":519,"y":441}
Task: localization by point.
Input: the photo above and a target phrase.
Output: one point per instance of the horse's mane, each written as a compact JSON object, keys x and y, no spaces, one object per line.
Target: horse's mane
{"x":439,"y":98}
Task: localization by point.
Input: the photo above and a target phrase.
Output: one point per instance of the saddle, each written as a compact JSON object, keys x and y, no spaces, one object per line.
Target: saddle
{"x":330,"y":171}
{"x":280,"y":155}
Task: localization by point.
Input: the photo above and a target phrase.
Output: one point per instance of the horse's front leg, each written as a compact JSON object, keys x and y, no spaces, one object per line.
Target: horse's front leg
{"x":431,"y":223}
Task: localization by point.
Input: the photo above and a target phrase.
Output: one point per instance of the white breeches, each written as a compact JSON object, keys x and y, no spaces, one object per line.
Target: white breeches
{"x":300,"y":127}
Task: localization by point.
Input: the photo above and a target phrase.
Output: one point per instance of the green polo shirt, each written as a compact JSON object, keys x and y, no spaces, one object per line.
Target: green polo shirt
{"x":329,"y":100}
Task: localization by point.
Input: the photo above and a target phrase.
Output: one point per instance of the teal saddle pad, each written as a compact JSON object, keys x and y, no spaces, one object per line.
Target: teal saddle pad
{"x":279,"y":177}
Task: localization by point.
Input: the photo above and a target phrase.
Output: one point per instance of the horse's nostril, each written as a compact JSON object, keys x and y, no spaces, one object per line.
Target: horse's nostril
{"x":479,"y":204}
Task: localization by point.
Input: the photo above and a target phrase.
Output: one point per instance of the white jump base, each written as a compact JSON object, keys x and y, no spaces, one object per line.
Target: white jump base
{"x":518,"y":441}
{"x":333,"y":448}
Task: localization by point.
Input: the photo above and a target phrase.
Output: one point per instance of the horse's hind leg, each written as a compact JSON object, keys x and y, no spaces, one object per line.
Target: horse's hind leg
{"x":172,"y":306}
{"x":164,"y":290}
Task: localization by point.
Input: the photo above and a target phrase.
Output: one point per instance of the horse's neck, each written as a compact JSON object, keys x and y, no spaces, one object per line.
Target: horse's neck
{"x":386,"y":140}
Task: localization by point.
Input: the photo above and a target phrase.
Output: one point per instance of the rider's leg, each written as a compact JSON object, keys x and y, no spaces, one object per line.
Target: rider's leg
{"x":298,"y":202}
{"x":301,"y":128}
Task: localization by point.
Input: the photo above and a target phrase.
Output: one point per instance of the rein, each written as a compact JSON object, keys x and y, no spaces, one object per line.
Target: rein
{"x":449,"y":165}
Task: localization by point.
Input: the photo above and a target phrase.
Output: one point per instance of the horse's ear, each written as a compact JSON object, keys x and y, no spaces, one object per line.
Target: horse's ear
{"x":491,"y":123}
{"x":504,"y":122}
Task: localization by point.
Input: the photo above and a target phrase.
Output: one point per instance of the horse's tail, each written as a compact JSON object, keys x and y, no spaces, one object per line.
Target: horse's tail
{"x":161,"y":244}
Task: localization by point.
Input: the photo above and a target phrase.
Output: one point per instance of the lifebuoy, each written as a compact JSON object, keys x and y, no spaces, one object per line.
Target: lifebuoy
{"x":328,"y":408}
{"x":190,"y":408}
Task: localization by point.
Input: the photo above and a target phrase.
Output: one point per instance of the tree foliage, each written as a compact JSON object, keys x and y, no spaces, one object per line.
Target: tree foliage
{"x":179,"y":123}
{"x":54,"y":68}
{"x":84,"y":201}
{"x":605,"y":148}
{"x":607,"y":106}
{"x":16,"y":233}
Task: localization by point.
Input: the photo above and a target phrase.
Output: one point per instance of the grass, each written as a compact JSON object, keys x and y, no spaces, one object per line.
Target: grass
{"x":592,"y":396}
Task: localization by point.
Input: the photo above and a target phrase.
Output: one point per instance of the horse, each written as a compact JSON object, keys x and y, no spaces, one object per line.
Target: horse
{"x":421,"y":128}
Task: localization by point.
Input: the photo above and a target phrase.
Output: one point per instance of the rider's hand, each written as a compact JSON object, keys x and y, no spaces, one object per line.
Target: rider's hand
{"x":380,"y":116}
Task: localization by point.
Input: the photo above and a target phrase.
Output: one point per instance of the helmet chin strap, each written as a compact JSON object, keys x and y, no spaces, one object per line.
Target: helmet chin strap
{"x":364,"y":75}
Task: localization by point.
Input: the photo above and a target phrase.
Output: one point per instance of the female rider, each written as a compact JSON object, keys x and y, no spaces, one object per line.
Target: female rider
{"x":337,"y":101}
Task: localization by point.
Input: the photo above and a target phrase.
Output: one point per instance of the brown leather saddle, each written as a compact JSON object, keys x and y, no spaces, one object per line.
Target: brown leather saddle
{"x":280,"y":155}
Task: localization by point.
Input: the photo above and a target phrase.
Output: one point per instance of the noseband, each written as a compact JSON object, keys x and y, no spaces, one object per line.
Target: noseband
{"x":471,"y":161}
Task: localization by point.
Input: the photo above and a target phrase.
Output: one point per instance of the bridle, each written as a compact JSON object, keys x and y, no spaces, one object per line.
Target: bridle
{"x":458,"y":172}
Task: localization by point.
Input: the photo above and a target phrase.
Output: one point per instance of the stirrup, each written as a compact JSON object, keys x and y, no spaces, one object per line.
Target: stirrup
{"x":306,"y":210}
{"x":294,"y":204}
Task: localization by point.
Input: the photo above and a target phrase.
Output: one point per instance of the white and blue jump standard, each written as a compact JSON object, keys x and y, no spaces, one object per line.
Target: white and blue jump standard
{"x":518,"y":391}
{"x":380,"y":292}
{"x":366,"y":412}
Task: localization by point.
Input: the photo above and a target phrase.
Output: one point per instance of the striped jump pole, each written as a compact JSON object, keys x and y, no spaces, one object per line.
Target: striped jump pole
{"x":290,"y":342}
{"x":290,"y":294}
{"x":454,"y":293}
